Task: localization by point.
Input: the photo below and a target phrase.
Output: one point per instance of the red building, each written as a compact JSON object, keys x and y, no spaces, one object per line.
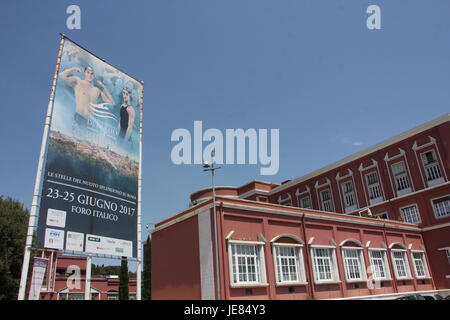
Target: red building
{"x":374,"y":224}
{"x":66,"y":278}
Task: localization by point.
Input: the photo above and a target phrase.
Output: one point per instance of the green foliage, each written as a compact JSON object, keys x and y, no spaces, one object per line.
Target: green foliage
{"x":147,"y":274}
{"x":123,"y":284}
{"x":13,"y":230}
{"x":108,"y":271}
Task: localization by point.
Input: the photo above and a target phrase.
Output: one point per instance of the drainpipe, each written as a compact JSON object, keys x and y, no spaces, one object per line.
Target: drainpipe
{"x":308,"y":260}
{"x":388,"y":258}
{"x":430,"y":272}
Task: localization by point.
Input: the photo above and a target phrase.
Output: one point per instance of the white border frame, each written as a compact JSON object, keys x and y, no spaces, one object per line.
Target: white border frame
{"x":262,"y":270}
{"x":387,"y":270}
{"x":334,"y":266}
{"x":432,"y":206}
{"x":407,"y":266}
{"x":408,"y":206}
{"x":406,"y":191}
{"x":301,"y":267}
{"x":362,"y":270}
{"x":443,"y":178}
{"x":425,"y":264}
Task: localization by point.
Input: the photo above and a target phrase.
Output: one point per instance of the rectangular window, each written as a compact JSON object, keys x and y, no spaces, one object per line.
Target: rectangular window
{"x":410,"y":214}
{"x":401,"y":178}
{"x":401,"y":265}
{"x":289,"y":264}
{"x":349,"y":196}
{"x":324,"y":264}
{"x":441,"y":207}
{"x":246,"y":263}
{"x":373,"y":185}
{"x":431,"y":165}
{"x":420,"y":265}
{"x":75,"y":296}
{"x":327,"y":204}
{"x":379,"y":264}
{"x":305,"y":202}
{"x":353,"y":263}
{"x":448,"y":255}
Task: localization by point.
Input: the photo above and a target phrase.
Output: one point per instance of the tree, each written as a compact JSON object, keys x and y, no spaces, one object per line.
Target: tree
{"x":123,"y":284}
{"x":13,"y":231}
{"x":147,"y":274}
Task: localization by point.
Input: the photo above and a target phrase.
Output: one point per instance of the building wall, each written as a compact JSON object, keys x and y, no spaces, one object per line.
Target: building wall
{"x":176,"y":262}
{"x":250,"y":226}
{"x":435,"y":241}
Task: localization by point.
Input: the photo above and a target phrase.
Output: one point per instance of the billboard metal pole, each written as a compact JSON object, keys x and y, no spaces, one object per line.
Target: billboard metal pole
{"x":87,"y":286}
{"x":34,"y":202}
{"x":139,"y":242}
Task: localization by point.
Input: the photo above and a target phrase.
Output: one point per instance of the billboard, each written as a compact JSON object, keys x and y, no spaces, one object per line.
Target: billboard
{"x":89,"y":193}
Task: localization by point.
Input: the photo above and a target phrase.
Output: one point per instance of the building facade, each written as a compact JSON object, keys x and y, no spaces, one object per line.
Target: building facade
{"x":376,"y":223}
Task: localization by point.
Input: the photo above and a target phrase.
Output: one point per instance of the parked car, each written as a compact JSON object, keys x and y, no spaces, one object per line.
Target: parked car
{"x":432,"y":297}
{"x":411,"y":297}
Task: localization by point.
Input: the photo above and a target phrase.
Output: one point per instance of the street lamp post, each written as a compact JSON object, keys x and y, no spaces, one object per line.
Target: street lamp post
{"x":211,"y":167}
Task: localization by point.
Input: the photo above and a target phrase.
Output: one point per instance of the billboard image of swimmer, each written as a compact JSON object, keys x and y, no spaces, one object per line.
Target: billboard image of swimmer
{"x":90,"y":185}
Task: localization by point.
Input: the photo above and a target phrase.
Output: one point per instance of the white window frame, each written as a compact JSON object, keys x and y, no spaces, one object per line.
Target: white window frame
{"x":260,"y":264}
{"x":75,"y":296}
{"x":434,"y":208}
{"x":300,"y":202}
{"x":352,"y":194}
{"x":447,"y":255}
{"x":361,"y":264}
{"x":322,"y":201}
{"x":398,"y":178}
{"x":424,"y":264}
{"x":406,"y":264}
{"x":417,"y":211}
{"x":436,"y":163}
{"x":376,"y":185}
{"x":385,"y":263}
{"x":112,"y":296}
{"x":333,"y":265}
{"x":299,"y":264}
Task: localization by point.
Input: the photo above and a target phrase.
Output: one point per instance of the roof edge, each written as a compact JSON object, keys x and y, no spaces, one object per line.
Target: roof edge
{"x":423,"y":127}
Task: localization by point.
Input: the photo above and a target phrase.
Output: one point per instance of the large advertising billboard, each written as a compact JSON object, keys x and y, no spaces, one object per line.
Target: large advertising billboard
{"x":90,"y":184}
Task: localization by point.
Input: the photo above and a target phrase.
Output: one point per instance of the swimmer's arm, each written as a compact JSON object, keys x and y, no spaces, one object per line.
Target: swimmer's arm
{"x":106,"y":96}
{"x":131,"y":117}
{"x":72,"y":79}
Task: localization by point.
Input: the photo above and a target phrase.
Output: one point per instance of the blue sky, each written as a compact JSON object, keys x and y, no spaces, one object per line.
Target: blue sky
{"x":311,"y":69}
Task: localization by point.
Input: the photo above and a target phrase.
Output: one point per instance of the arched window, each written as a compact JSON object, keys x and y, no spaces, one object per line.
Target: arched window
{"x":400,"y":261}
{"x":378,"y":264}
{"x":288,"y":260}
{"x":352,"y":254}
